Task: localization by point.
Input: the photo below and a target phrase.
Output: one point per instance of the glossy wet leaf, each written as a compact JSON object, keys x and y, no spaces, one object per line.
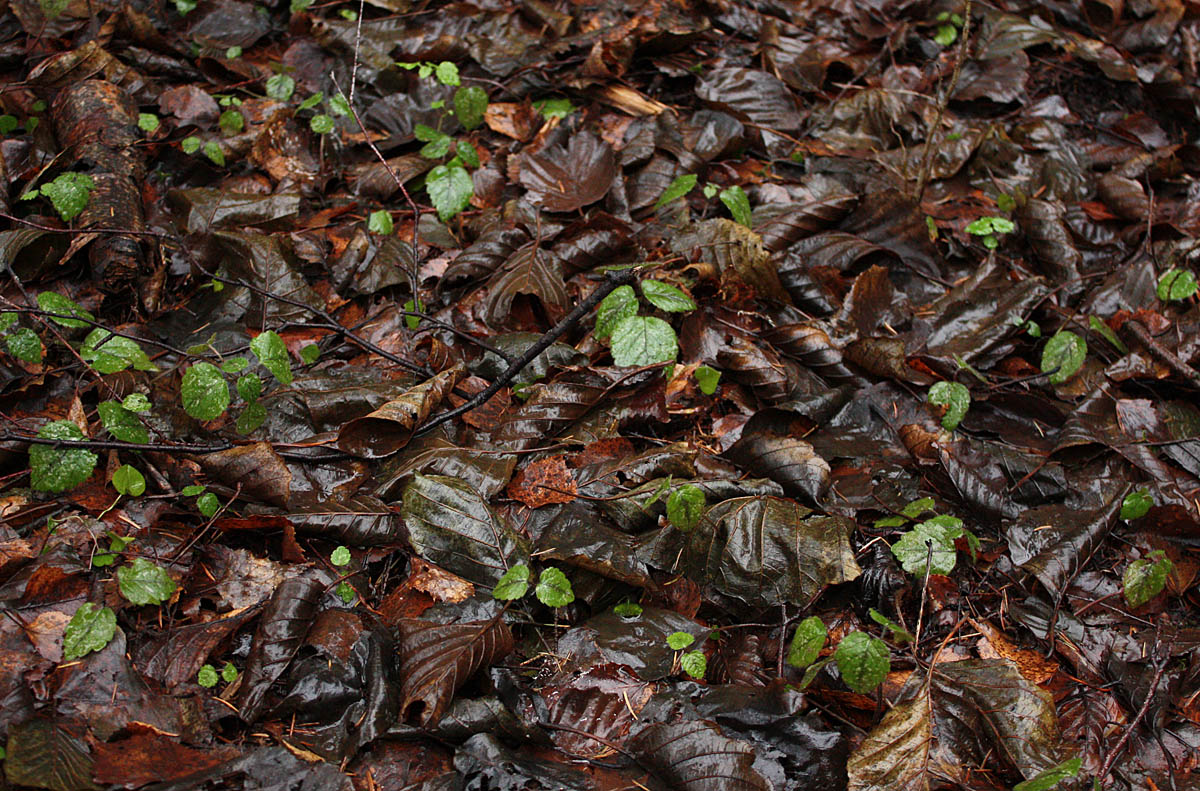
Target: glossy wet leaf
{"x":697,"y":756}
{"x":127,"y":480}
{"x":862,"y":660}
{"x":680,"y":640}
{"x":954,"y":398}
{"x":643,"y":340}
{"x":470,"y":104}
{"x":694,"y":664}
{"x":436,"y":660}
{"x":1146,"y":577}
{"x":43,"y":754}
{"x":738,"y":203}
{"x":685,"y":506}
{"x":53,"y":302}
{"x":143,"y":582}
{"x":69,"y":192}
{"x":1063,"y":356}
{"x":554,"y":589}
{"x":681,"y":186}
{"x":450,"y":189}
{"x":563,"y":180}
{"x":205,"y":392}
{"x":24,"y":344}
{"x":807,"y":642}
{"x":110,"y":354}
{"x":621,"y":303}
{"x":666,"y":297}
{"x":1136,"y":504}
{"x":1176,"y":284}
{"x":1052,"y":777}
{"x":513,"y":584}
{"x":60,"y":469}
{"x":90,"y":629}
{"x":930,"y":543}
{"x":284,"y":623}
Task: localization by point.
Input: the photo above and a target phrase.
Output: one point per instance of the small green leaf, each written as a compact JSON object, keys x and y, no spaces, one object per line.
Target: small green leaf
{"x":24,"y":344}
{"x":144,"y":583}
{"x":621,"y":303}
{"x":666,"y":297}
{"x":147,"y":122}
{"x":345,"y":592}
{"x":229,"y":673}
{"x":380,"y":222}
{"x":233,"y":52}
{"x":1104,"y":331}
{"x":913,"y":548}
{"x":710,"y":190}
{"x":280,"y":87}
{"x":863,"y":661}
{"x":514,"y":584}
{"x":685,"y":506}
{"x":311,"y":101}
{"x":310,"y":353}
{"x":299,"y":5}
{"x":680,"y":640}
{"x":253,"y":416}
{"x":643,"y":340}
{"x":1005,"y":202}
{"x":707,"y":378}
{"x":8,"y":123}
{"x":447,"y":73}
{"x":7,"y":321}
{"x":470,"y":104}
{"x":554,"y":108}
{"x":918,"y":507}
{"x":30,"y":194}
{"x":437,"y":143}
{"x":945,"y":35}
{"x":136,"y":402}
{"x":192,"y":490}
{"x":450,"y":189}
{"x":90,"y":629}
{"x":1176,"y":284}
{"x":954,"y":398}
{"x":190,"y":144}
{"x":413,"y":306}
{"x":807,"y":642}
{"x":424,"y":70}
{"x":681,"y":186}
{"x":234,"y":364}
{"x":321,"y":123}
{"x":554,"y":589}
{"x":207,"y":677}
{"x":213,"y":151}
{"x":628,"y":609}
{"x":1052,"y":776}
{"x":53,"y":302}
{"x":1064,"y":355}
{"x":738,"y":204}
{"x":890,"y":521}
{"x":110,"y":354}
{"x":208,"y":504}
{"x":900,"y":634}
{"x":231,"y":122}
{"x":59,"y":469}
{"x":1146,"y":577}
{"x":340,"y":556}
{"x":127,"y":480}
{"x":1136,"y":505}
{"x":272,"y":352}
{"x":205,"y":392}
{"x":467,"y":153}
{"x":986,"y":226}
{"x":339,"y":105}
{"x":249,"y":387}
{"x":694,"y":664}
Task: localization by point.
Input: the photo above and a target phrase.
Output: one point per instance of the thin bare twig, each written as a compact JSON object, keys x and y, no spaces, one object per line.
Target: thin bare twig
{"x":943,"y":101}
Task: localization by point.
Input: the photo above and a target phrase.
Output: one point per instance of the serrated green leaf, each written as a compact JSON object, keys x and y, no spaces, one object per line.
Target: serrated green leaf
{"x":280,"y":87}
{"x":205,"y":392}
{"x":229,"y":673}
{"x":1136,"y":505}
{"x":90,"y":629}
{"x":128,"y":480}
{"x":234,"y":365}
{"x":554,"y":589}
{"x":340,"y":556}
{"x":863,"y":661}
{"x":694,"y":664}
{"x":1176,"y":284}
{"x":955,"y":398}
{"x":807,"y":642}
{"x":918,"y":507}
{"x":738,"y":204}
{"x":643,"y":340}
{"x":136,"y":402}
{"x":69,"y":193}
{"x":59,"y":469}
{"x":249,"y":387}
{"x":450,"y":190}
{"x":7,"y":320}
{"x":666,"y":297}
{"x":447,"y":73}
{"x":339,"y":105}
{"x":681,"y":186}
{"x":470,"y":104}
{"x":1064,"y":355}
{"x":346,"y":592}
{"x":321,"y":123}
{"x":208,"y":504}
{"x":913,"y":548}
{"x":144,"y":583}
{"x":110,"y":354}
{"x":1050,"y":778}
{"x":190,"y":144}
{"x":514,"y":584}
{"x":207,"y":677}
{"x":272,"y":352}
{"x":380,"y":222}
{"x":24,"y":344}
{"x":231,"y":122}
{"x":707,"y":378}
{"x":621,"y":303}
{"x":677,"y":641}
{"x":628,"y":609}
{"x":1146,"y":577}
{"x":121,"y":423}
{"x":147,"y":122}
{"x":685,"y":506}
{"x":53,"y":302}
{"x":985,"y":226}
{"x":438,"y":145}
{"x":467,"y":153}
{"x":253,"y":416}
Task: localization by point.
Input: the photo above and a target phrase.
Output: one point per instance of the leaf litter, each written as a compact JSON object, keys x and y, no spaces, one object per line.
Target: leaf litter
{"x":599,"y":396}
